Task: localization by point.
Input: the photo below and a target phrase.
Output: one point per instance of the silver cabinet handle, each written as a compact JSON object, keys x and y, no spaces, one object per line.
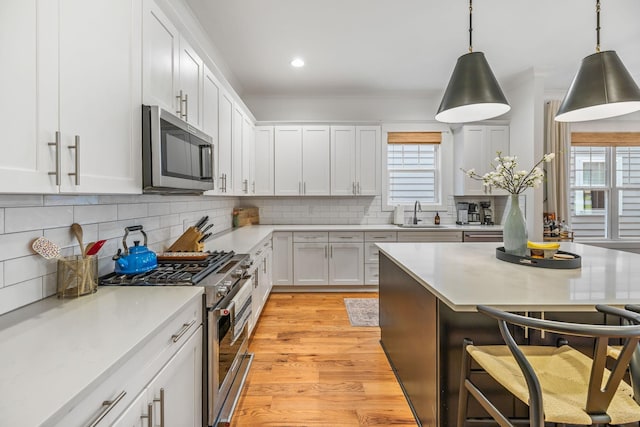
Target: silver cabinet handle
{"x":358,"y":188}
{"x":221,"y":182}
{"x":179,"y":98}
{"x":353,"y":188}
{"x":225,"y":183}
{"x":57,"y":145}
{"x":149,"y":415}
{"x":186,"y":107}
{"x":107,"y":407}
{"x":253,"y":187}
{"x":331,"y":251}
{"x":304,"y":187}
{"x":161,"y":400}
{"x":77,"y":148}
{"x":264,"y":265}
{"x":299,"y":187}
{"x":185,"y":327}
{"x":245,"y":184}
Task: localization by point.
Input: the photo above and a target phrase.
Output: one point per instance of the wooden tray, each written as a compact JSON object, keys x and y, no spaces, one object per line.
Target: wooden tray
{"x":562,"y":264}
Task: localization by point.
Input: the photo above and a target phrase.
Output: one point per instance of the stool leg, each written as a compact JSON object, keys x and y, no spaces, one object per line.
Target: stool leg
{"x":463,"y":393}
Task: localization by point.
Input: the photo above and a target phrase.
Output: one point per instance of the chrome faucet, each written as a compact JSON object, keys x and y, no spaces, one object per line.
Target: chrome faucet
{"x":416,"y":208}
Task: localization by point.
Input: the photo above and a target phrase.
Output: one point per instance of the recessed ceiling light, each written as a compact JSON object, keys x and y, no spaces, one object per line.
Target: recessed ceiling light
{"x":297,"y":62}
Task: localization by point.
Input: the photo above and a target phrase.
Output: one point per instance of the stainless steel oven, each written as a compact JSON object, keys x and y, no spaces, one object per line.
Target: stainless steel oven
{"x":227,"y":309}
{"x":229,"y":360}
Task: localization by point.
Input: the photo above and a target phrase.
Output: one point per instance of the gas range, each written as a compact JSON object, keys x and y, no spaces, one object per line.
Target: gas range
{"x":218,"y":273}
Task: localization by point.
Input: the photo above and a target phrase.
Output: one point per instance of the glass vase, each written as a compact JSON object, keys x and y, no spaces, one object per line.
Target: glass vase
{"x":515,"y":229}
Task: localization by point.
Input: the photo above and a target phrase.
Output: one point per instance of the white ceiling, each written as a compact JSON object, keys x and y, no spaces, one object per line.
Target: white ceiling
{"x":364,"y":47}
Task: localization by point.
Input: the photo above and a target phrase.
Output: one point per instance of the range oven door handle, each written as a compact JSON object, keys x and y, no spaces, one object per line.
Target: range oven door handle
{"x":224,"y":311}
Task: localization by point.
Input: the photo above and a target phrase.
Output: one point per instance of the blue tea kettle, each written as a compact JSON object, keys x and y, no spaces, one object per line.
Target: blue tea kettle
{"x":137,"y":259}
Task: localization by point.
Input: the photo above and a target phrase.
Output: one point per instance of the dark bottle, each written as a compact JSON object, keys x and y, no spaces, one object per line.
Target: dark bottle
{"x":436,"y":219}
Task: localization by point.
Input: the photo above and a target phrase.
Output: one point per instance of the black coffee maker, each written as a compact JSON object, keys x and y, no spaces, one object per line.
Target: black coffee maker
{"x":487,"y":214}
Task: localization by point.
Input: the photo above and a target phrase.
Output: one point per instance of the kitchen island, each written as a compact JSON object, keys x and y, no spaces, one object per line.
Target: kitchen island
{"x":428,"y":295}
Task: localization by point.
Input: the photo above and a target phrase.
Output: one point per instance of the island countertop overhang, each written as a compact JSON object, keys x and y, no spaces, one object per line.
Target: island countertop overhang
{"x":464,"y":275}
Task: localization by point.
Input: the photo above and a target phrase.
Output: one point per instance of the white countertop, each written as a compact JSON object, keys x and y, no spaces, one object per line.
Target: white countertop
{"x":55,"y":350}
{"x":464,"y":275}
{"x":243,"y":239}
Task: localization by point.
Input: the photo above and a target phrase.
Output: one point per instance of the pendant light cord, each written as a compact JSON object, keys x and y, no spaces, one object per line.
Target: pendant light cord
{"x":471,"y":27}
{"x":598,"y":26}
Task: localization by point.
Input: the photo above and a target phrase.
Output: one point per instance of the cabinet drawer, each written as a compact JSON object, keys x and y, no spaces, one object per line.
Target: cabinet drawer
{"x":430,"y":236}
{"x":310,"y":236}
{"x":371,"y":251}
{"x":371,"y":274}
{"x":380,"y":236}
{"x":131,"y":376}
{"x":260,"y":249}
{"x":346,"y":236}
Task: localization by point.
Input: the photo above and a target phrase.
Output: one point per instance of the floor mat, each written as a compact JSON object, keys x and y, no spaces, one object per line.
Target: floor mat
{"x":362,"y":311}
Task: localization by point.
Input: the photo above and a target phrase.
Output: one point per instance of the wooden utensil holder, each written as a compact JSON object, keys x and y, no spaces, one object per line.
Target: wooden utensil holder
{"x":188,"y":242}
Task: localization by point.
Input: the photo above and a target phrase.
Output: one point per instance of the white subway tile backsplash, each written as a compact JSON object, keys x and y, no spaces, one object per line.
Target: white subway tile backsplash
{"x":12,"y":297}
{"x":25,"y":268}
{"x":36,"y":218}
{"x":64,"y":238}
{"x":132,"y":210}
{"x":15,"y":200}
{"x":14,"y":245}
{"x":1,"y":221}
{"x":95,"y":213}
{"x":61,"y":200}
{"x":49,"y":285}
{"x":159,"y":209}
{"x":1,"y":274}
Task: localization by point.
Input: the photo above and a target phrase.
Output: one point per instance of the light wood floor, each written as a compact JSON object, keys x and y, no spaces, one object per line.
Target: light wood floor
{"x":312,"y":368}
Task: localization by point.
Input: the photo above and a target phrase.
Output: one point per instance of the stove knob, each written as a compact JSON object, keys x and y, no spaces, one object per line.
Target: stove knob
{"x":247,"y":264}
{"x":223,"y":289}
{"x":237,"y":274}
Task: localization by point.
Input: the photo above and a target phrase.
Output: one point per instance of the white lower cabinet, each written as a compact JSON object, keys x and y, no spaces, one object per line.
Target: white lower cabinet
{"x":174,"y":395}
{"x":310,"y":266}
{"x":171,"y":360}
{"x":346,"y":263}
{"x":282,"y":271}
{"x":334,"y":258}
{"x":371,"y":253}
{"x":262,"y":280}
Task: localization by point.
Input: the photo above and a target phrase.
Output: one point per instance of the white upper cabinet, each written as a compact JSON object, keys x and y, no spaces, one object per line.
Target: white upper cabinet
{"x":239,"y":185}
{"x":264,"y":160}
{"x":29,"y":123}
{"x":368,"y":169}
{"x":100,"y":106}
{"x":67,"y":133}
{"x":172,"y":71}
{"x":161,"y":59}
{"x":225,"y":137}
{"x":210,"y":111}
{"x":302,"y":160}
{"x":355,"y":160}
{"x":343,"y":160}
{"x":475,"y":147}
{"x":288,"y":160}
{"x":315,"y":160}
{"x":248,"y":156}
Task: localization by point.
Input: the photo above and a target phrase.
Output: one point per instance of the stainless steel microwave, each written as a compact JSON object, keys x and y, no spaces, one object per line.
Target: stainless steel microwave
{"x":176,"y":157}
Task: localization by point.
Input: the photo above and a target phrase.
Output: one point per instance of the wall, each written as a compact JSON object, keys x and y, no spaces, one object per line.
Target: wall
{"x":393,"y":107}
{"x":26,"y":277}
{"x":331,"y":210}
{"x":525,"y":95}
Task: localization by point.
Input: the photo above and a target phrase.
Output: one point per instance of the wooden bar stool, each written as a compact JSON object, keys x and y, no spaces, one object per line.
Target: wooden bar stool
{"x":559,"y":384}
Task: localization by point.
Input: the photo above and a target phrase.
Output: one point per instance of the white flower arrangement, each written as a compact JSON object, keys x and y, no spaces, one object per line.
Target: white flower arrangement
{"x":506,"y":176}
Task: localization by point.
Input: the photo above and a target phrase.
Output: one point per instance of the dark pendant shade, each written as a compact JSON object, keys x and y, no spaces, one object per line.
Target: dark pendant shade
{"x":473,"y":92}
{"x":602,"y":88}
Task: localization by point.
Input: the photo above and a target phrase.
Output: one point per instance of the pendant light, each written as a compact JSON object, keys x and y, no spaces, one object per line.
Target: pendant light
{"x":602,"y":87}
{"x":473,"y":92}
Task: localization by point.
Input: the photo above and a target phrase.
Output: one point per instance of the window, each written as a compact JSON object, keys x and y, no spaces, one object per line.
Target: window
{"x":605,"y":185}
{"x":413,"y":167}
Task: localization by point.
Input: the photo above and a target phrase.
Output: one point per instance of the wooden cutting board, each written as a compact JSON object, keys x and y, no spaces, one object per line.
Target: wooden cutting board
{"x":247,"y":216}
